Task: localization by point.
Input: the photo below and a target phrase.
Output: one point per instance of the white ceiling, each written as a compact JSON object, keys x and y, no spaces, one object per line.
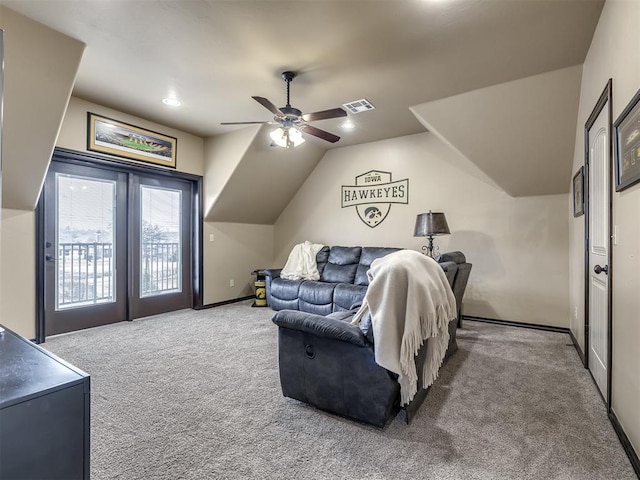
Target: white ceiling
{"x":214,"y":55}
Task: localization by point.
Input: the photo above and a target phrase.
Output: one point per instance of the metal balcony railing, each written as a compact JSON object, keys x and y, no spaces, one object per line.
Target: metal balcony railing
{"x":159,"y":268}
{"x":86,"y":272}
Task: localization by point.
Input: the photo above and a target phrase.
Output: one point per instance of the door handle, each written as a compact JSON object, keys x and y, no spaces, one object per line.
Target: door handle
{"x":49,"y":258}
{"x":599,"y":269}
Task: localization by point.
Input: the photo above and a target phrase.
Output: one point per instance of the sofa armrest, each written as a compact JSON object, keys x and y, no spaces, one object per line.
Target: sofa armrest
{"x":456,"y":256}
{"x":326,"y":327}
{"x":272,"y":272}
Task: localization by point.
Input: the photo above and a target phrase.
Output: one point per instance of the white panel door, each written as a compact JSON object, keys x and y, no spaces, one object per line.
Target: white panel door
{"x":599,"y":185}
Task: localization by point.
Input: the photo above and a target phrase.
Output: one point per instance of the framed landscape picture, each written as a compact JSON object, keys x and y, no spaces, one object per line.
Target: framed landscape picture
{"x":627,"y":145}
{"x":107,"y":135}
{"x":578,"y":193}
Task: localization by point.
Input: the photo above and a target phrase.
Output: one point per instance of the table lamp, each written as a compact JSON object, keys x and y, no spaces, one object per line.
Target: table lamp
{"x":430,"y":225}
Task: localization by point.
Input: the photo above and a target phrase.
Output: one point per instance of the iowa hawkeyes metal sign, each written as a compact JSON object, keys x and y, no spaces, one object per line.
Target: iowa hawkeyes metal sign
{"x":373,"y":194}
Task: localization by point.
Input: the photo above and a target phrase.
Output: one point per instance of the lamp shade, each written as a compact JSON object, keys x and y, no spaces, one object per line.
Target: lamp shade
{"x":431,"y":224}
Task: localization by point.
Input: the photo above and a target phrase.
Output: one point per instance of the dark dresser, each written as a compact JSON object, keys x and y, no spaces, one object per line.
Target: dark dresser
{"x":44,"y":414}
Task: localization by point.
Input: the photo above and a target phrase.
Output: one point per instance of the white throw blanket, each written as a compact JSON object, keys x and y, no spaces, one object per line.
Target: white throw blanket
{"x":410,"y":301}
{"x":301,"y":264}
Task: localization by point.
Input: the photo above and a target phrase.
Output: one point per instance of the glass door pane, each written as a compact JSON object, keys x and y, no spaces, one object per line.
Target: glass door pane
{"x":85,"y":247}
{"x":160,"y":245}
{"x":85,"y":231}
{"x":160,"y":241}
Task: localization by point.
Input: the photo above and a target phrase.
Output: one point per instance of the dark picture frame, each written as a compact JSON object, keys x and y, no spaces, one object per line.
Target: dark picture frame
{"x":578,"y":193}
{"x":107,"y":135}
{"x":626,"y":130}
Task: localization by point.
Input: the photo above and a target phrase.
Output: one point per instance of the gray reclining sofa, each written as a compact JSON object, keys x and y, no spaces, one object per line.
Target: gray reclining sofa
{"x":329,"y":363}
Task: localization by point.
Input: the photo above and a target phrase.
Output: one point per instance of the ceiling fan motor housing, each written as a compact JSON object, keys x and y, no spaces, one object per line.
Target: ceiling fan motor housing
{"x":290,"y":112}
{"x":288,"y":76}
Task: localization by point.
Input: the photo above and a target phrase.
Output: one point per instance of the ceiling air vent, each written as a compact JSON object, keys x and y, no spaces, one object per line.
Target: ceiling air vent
{"x":359,"y":106}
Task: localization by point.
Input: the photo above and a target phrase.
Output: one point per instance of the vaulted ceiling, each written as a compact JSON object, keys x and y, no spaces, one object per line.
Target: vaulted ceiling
{"x":214,"y":55}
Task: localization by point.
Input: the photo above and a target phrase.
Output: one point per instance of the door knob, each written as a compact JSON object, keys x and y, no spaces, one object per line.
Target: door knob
{"x":599,"y":269}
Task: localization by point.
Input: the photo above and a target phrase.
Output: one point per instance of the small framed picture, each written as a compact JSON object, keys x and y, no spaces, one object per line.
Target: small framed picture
{"x":107,"y":135}
{"x":578,"y":193}
{"x":627,"y":145}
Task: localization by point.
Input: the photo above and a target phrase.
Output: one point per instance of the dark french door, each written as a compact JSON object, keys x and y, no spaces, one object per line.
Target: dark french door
{"x":160,"y":273}
{"x":117,"y":245}
{"x":85,"y":247}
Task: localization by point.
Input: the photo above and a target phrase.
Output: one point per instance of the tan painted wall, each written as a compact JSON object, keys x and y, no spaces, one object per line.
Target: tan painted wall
{"x":40,"y":70}
{"x":221,"y":157}
{"x":237,"y":250}
{"x":518,"y":246}
{"x":17,"y":278}
{"x":73,"y":134}
{"x":519,"y":133}
{"x":254,"y":192}
{"x":614,"y":53}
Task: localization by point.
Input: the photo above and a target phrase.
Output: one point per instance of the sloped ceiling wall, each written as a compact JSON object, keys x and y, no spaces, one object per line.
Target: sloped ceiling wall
{"x":247,"y":181}
{"x":519,"y":133}
{"x":39,"y":72}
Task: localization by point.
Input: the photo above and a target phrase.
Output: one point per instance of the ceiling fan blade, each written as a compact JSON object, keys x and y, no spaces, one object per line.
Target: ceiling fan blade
{"x":241,"y":123}
{"x":324,"y":114}
{"x":316,"y":132}
{"x":269,"y":106}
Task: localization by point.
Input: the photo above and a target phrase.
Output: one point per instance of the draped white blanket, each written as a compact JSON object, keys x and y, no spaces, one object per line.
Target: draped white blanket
{"x":301,"y":264}
{"x":410,"y":301}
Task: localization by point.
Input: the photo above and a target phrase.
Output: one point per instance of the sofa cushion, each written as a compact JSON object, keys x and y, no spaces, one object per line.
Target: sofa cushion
{"x":321,"y":258}
{"x":277,"y":304}
{"x":285,"y":289}
{"x":323,"y":310}
{"x":346,"y":296}
{"x":368,"y":255}
{"x":316,"y":297}
{"x":341,"y":265}
{"x":344,"y":255}
{"x":316,"y":293}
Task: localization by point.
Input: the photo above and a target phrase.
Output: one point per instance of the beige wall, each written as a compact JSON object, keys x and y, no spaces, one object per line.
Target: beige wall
{"x":614,"y":53}
{"x":40,"y":70}
{"x":222,"y":154}
{"x":518,"y":246}
{"x":17,"y":275}
{"x":533,"y":116}
{"x":73,"y":134}
{"x":236,"y":250}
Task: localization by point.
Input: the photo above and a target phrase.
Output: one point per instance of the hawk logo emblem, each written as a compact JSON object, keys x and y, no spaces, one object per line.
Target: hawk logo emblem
{"x":373,"y":194}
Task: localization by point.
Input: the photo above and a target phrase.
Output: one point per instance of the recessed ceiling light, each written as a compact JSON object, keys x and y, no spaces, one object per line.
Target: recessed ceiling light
{"x":172,"y":102}
{"x":348,"y":125}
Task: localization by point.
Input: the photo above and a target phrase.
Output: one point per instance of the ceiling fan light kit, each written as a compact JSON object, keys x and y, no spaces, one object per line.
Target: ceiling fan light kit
{"x":287,"y":137}
{"x":292,"y":122}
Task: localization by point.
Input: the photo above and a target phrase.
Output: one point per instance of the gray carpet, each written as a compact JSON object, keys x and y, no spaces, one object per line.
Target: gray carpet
{"x":196,"y":395}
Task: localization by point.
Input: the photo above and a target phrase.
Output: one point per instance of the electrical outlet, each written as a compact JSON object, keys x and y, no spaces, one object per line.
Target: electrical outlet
{"x":212,"y":237}
{"x":575,"y":313}
{"x":232,"y":283}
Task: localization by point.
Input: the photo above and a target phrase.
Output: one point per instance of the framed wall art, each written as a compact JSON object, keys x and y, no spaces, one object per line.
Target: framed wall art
{"x":107,"y":135}
{"x":578,"y":193}
{"x":627,"y":145}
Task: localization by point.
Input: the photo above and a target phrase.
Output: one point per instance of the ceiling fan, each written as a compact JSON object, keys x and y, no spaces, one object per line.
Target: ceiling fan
{"x":292,"y":121}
